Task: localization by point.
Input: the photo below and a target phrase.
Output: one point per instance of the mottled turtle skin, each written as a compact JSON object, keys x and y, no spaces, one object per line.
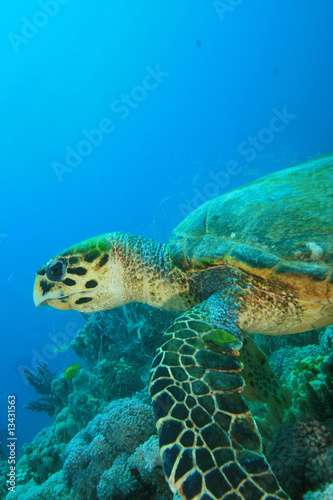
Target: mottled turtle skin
{"x":257,"y":259}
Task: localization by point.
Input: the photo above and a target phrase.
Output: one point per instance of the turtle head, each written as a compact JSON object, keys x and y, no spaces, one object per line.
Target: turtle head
{"x":87,"y":277}
{"x":109,"y":271}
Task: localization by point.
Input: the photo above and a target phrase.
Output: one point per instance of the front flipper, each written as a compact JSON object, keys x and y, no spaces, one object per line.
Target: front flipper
{"x":210,"y":446}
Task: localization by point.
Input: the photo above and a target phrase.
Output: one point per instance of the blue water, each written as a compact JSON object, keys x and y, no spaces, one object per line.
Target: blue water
{"x":125,"y":116}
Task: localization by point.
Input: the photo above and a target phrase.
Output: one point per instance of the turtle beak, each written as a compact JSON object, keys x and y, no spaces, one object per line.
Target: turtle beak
{"x":37,"y":293}
{"x":48,"y":293}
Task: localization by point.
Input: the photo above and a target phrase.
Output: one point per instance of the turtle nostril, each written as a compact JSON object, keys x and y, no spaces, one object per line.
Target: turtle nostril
{"x":56,"y":269}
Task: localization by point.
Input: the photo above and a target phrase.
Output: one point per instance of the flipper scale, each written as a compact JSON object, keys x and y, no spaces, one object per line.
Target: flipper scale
{"x":210,"y":445}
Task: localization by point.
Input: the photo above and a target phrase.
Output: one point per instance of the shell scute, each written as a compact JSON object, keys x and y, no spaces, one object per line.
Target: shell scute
{"x":279,"y":228}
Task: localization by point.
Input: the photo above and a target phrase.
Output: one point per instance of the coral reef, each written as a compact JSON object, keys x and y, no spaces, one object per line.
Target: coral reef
{"x":75,"y":401}
{"x":124,"y":425}
{"x":102,"y":448}
{"x":288,"y":357}
{"x":309,"y":376}
{"x":132,"y":331}
{"x":269,"y":344}
{"x":84,"y":398}
{"x":120,"y":378}
{"x":301,"y":457}
{"x":118,"y":480}
{"x":52,"y":489}
{"x":115,"y":456}
{"x":3,"y":478}
{"x":44,"y":455}
{"x":54,"y":391}
{"x":42,"y":379}
{"x":42,"y":383}
{"x":307,"y":372}
{"x":3,"y":440}
{"x":146,"y":458}
{"x":87,"y":399}
{"x":325,"y":493}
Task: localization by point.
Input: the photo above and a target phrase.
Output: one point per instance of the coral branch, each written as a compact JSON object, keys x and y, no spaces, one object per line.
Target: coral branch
{"x":41,"y":380}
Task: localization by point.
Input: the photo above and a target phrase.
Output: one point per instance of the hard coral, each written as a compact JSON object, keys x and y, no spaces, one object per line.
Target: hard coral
{"x":86,"y":400}
{"x":123,"y":426}
{"x":120,"y":378}
{"x":117,"y":482}
{"x":301,"y":457}
{"x":146,"y":458}
{"x":54,"y":391}
{"x":45,"y":404}
{"x":41,"y":380}
{"x":313,"y":387}
{"x":43,"y":456}
{"x":326,"y":493}
{"x":308,"y":372}
{"x":52,"y":489}
{"x":287,"y":360}
{"x":145,"y":464}
{"x":65,"y":426}
{"x":137,"y":476}
{"x":269,"y":344}
{"x":42,"y":383}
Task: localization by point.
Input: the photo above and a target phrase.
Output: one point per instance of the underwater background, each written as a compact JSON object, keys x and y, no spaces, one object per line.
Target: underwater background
{"x":124,"y":116}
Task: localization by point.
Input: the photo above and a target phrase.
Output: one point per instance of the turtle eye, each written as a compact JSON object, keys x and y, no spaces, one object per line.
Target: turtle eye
{"x":56,"y":269}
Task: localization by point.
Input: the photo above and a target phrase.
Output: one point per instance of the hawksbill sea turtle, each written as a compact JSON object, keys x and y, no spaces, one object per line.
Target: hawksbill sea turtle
{"x":257,"y":259}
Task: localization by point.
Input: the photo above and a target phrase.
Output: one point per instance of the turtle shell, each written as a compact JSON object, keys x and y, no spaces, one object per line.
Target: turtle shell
{"x":279,"y":228}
